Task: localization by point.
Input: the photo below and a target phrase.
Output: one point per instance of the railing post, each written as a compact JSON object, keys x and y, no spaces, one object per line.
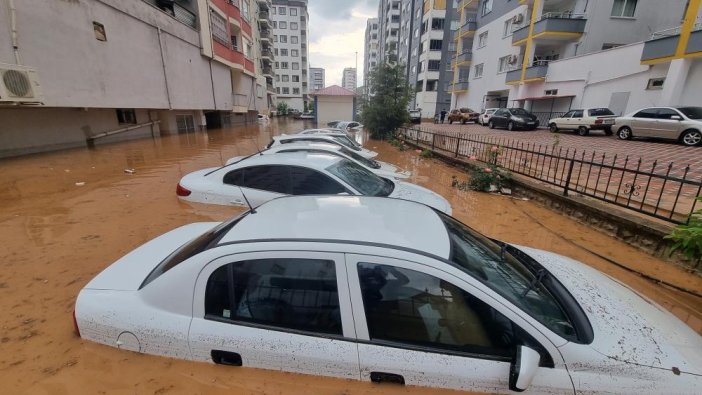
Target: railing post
{"x":458,"y":144}
{"x":570,"y":173}
{"x":433,"y":141}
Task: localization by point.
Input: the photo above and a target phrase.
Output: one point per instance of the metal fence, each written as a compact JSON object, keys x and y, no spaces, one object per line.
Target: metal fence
{"x":663,"y":191}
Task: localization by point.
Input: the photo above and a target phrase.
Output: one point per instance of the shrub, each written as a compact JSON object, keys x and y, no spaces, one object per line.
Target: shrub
{"x":688,"y":238}
{"x":426,"y":154}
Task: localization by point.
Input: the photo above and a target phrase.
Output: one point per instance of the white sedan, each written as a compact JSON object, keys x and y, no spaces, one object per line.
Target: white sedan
{"x":323,"y":138}
{"x":381,"y":169}
{"x":386,"y":290}
{"x":260,"y":178}
{"x":328,"y":131}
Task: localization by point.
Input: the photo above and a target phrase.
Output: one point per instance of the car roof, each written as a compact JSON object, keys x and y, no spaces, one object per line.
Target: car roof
{"x":305,"y":145}
{"x":318,"y":136}
{"x":354,"y":219}
{"x":312,"y":160}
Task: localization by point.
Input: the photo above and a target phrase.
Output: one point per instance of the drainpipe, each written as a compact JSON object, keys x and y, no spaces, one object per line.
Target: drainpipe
{"x":163,"y":64}
{"x":13,"y":27}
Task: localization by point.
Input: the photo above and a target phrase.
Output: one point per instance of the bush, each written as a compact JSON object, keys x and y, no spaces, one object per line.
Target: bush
{"x":485,"y":178}
{"x":426,"y":154}
{"x":688,"y":238}
{"x":282,"y":108}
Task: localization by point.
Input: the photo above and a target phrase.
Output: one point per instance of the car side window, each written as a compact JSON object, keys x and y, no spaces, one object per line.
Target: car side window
{"x":234,"y":177}
{"x":311,"y":182}
{"x":500,"y":113}
{"x":577,"y":114}
{"x":287,"y":293}
{"x":267,"y":178}
{"x":646,"y":113}
{"x":666,"y":113}
{"x":414,"y":308}
{"x":569,"y":114}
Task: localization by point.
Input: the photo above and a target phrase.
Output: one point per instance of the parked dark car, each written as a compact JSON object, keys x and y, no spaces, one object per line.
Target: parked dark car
{"x":513,"y":119}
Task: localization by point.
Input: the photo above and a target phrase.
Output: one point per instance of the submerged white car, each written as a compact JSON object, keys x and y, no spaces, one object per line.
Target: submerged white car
{"x":260,"y":178}
{"x":381,"y":169}
{"x":329,"y":131}
{"x":386,"y":290}
{"x":322,"y":138}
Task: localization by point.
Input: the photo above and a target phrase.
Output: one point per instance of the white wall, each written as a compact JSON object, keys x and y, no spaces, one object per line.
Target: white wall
{"x":330,"y":108}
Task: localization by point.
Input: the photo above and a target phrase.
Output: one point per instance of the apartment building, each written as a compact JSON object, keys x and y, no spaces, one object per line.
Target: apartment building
{"x":317,"y":80}
{"x":290,"y":42}
{"x":348,"y":78}
{"x":389,"y":28}
{"x":370,"y":53}
{"x":108,"y":70}
{"x":550,"y":56}
{"x":267,"y":57}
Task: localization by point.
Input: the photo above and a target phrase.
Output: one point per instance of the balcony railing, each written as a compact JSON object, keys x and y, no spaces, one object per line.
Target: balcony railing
{"x":268,"y":71}
{"x":464,"y":57}
{"x":179,"y":13}
{"x":673,"y":31}
{"x":263,"y":16}
{"x":265,"y":34}
{"x":664,"y":43}
{"x":468,"y":28}
{"x":459,"y":86}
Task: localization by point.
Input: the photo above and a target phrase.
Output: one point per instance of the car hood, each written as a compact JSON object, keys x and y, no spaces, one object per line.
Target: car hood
{"x":392,"y":170}
{"x":407,"y":191}
{"x":628,"y":327}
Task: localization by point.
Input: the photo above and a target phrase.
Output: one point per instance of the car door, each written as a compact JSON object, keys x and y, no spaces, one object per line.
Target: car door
{"x":643,"y":122}
{"x":417,"y":325}
{"x":304,"y":181}
{"x":665,"y":126}
{"x":562,"y":122}
{"x":499,"y":118}
{"x":576,"y":119}
{"x":258,"y":183}
{"x":279,"y":310}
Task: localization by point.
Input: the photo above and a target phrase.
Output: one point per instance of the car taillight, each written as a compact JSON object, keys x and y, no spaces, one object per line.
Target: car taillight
{"x":75,"y":324}
{"x":180,"y":191}
{"x":598,"y":121}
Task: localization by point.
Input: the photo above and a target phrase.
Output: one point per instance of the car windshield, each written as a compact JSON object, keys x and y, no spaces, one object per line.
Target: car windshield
{"x":504,"y":274}
{"x":518,"y":111}
{"x":691,"y":112}
{"x":599,"y":112}
{"x":333,"y":124}
{"x":360,"y":179}
{"x":358,"y":158}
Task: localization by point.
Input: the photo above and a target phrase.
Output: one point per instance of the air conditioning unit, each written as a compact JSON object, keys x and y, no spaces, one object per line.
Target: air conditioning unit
{"x":517,"y":19}
{"x":512,"y":59}
{"x":19,"y":84}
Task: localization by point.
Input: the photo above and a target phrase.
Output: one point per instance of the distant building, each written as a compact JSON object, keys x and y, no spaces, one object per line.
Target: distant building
{"x":334,"y":103}
{"x":370,"y":53}
{"x":389,"y":27}
{"x":290,"y":43}
{"x":348,"y":78}
{"x":317,"y":78}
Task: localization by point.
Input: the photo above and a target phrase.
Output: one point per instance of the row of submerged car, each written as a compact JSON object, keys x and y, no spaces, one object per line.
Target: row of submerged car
{"x":682,"y":124}
{"x":352,"y":283}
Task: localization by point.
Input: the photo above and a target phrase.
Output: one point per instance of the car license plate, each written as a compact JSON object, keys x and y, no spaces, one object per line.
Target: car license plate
{"x":610,"y":121}
{"x":530,"y":123}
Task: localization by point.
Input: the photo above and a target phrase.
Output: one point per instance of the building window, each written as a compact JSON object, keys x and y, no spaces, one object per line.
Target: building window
{"x":434,"y":65}
{"x":295,"y":66}
{"x":419,"y":86}
{"x":293,"y":40}
{"x":655,"y":83}
{"x":275,"y":38}
{"x":127,"y":116}
{"x":293,"y":25}
{"x":437,"y":24}
{"x":508,"y":28}
{"x":420,"y":67}
{"x":293,"y":11}
{"x":296,"y":91}
{"x":283,"y":52}
{"x":259,"y":91}
{"x":277,"y":78}
{"x":486,"y":7}
{"x":286,"y":91}
{"x":482,"y":39}
{"x":284,"y":65}
{"x":294,"y":52}
{"x":395,"y":19}
{"x":432,"y":85}
{"x":99,"y":29}
{"x":435,"y":45}
{"x":185,"y":123}
{"x":275,"y":11}
{"x":478,"y":71}
{"x":219,"y":28}
{"x":277,"y":90}
{"x":245,"y":9}
{"x":503,"y":64}
{"x":283,"y":38}
{"x":624,"y":8}
{"x":277,"y":65}
{"x":249,"y":50}
{"x":281,"y":11}
{"x":235,"y":43}
{"x":275,"y":25}
{"x":275,"y":51}
{"x":283,"y":25}
{"x":295,"y":78}
{"x":286,"y":78}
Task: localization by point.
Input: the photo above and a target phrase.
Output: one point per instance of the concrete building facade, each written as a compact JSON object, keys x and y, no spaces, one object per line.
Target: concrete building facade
{"x":348,"y":78}
{"x":317,"y":78}
{"x":370,"y":53}
{"x":290,"y":41}
{"x":389,"y":28}
{"x":101,"y":70}
{"x":548,"y":56}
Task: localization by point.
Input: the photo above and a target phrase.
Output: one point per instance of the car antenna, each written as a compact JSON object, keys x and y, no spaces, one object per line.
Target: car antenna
{"x":256,"y":144}
{"x":251,"y":209}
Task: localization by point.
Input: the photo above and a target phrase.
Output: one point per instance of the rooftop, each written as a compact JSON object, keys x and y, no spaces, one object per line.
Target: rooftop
{"x":334,"y":90}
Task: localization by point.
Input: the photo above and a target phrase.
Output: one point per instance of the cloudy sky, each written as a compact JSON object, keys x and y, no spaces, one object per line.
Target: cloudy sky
{"x":337,"y":29}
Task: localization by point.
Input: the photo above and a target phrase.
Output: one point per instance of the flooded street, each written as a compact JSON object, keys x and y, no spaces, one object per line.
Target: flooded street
{"x":67,"y":215}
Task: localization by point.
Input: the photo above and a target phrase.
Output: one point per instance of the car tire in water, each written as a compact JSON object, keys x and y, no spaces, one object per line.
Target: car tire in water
{"x":624,"y":133}
{"x":491,"y":125}
{"x":582,"y":131}
{"x":553,"y":128}
{"x":510,"y":126}
{"x":691,"y":138}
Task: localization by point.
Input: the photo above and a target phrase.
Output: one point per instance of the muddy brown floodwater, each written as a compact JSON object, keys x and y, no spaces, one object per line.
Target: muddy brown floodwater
{"x":67,"y":215}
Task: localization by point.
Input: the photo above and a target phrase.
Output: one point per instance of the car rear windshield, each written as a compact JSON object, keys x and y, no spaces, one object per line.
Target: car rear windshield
{"x":506,"y":275}
{"x":365,"y":161}
{"x":201,"y":243}
{"x":599,"y":112}
{"x":362,"y":180}
{"x":691,"y":112}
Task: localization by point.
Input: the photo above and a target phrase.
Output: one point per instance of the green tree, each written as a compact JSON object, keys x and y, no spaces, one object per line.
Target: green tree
{"x":282,"y":108}
{"x":384,"y":108}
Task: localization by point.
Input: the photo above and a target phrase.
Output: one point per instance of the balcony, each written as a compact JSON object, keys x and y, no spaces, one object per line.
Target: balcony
{"x":663,"y":44}
{"x":553,"y":27}
{"x":265,"y":35}
{"x":460,"y":86}
{"x":264,"y":18}
{"x":180,"y":14}
{"x":463,"y":58}
{"x":267,"y":55}
{"x":513,"y":76}
{"x":264,"y":4}
{"x":270,"y":88}
{"x":468,"y":29}
{"x":469,"y":4}
{"x":534,"y":73}
{"x":268,"y":72}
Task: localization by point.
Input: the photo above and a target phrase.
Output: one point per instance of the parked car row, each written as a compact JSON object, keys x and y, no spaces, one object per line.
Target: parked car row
{"x":372,"y":279}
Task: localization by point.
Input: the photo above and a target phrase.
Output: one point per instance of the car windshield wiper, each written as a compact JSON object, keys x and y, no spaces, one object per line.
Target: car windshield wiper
{"x":537,"y":280}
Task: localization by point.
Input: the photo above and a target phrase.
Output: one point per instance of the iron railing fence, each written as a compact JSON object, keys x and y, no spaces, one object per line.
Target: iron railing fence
{"x":661,"y":190}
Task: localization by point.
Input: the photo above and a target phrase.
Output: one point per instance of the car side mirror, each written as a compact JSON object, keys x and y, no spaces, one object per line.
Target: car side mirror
{"x":676,"y":117}
{"x":523,"y":368}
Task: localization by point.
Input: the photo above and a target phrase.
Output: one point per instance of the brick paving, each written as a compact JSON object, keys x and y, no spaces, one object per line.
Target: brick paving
{"x":605,"y":180}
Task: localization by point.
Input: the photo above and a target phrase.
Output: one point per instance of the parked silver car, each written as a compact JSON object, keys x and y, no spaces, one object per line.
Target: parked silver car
{"x":683,"y":124}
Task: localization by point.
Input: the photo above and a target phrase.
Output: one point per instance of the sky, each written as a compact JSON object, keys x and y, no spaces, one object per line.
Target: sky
{"x":337,"y":29}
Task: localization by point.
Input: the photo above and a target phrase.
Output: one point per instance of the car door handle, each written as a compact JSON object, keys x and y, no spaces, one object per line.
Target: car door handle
{"x":226,"y":358}
{"x":382,"y":377}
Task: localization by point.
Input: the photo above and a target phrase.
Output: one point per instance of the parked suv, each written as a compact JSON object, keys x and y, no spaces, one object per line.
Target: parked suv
{"x":513,"y":118}
{"x":463,"y":115}
{"x":415,"y":116}
{"x":683,"y":124}
{"x":584,"y":120}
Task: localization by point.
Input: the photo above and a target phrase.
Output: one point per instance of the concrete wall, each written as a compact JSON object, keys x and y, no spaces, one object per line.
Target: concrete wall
{"x":693,"y":87}
{"x":330,"y":108}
